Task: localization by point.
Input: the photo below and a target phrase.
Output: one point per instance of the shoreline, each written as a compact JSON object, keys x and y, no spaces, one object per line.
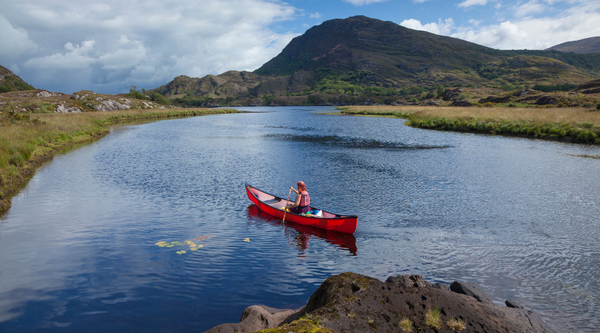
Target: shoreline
{"x":574,"y":125}
{"x":38,"y":138}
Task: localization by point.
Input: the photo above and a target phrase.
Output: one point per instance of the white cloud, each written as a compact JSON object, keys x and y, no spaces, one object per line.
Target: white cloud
{"x":469,"y":3}
{"x":536,"y":33}
{"x":15,"y":41}
{"x":524,"y":32}
{"x":419,"y":1}
{"x":440,"y":28}
{"x":76,"y":57}
{"x":315,"y":15}
{"x":364,"y":2}
{"x":531,"y":7}
{"x":108,"y":46}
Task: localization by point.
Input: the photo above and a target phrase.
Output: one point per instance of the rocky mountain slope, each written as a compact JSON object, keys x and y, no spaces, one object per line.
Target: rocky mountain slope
{"x":587,"y":45}
{"x":9,"y":81}
{"x":363,"y":56}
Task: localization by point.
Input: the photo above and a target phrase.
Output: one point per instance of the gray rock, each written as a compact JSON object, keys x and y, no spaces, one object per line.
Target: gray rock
{"x":44,"y":93}
{"x":255,"y":318}
{"x":110,"y":105}
{"x":513,"y":304}
{"x":64,"y":109}
{"x":470,"y":289}
{"x":408,"y":281}
{"x":443,"y":286}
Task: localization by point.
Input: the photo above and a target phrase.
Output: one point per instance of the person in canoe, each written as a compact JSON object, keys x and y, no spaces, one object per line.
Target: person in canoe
{"x":302,"y":199}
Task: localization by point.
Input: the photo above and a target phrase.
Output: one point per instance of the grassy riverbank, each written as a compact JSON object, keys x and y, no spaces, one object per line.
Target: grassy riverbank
{"x":581,"y":125}
{"x":29,"y":140}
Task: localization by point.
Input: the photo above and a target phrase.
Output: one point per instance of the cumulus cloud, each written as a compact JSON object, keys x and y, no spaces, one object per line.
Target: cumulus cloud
{"x":366,"y":2}
{"x":440,"y":28}
{"x":15,"y":41}
{"x":315,"y":15}
{"x":109,"y":46}
{"x":536,"y":33}
{"x":523,"y":31}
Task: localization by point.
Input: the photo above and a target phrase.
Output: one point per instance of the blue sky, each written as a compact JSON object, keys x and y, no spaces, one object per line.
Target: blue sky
{"x":109,"y":45}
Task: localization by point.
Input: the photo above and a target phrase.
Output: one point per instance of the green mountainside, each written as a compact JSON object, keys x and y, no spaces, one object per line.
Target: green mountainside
{"x":9,"y":81}
{"x":587,"y":45}
{"x":361,"y":57}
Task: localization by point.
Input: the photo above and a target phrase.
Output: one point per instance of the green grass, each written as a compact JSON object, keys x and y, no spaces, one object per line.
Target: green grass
{"x":577,"y":125}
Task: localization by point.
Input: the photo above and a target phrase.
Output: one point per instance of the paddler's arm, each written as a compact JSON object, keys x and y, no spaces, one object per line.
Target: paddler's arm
{"x":297,"y":203}
{"x":293,"y":189}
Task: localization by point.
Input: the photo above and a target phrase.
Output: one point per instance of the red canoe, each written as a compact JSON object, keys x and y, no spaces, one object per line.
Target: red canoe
{"x":272,"y":205}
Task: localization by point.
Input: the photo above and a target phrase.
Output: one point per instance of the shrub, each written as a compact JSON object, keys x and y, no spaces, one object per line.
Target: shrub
{"x":432,"y":319}
{"x":406,"y":325}
{"x":455,"y":324}
{"x":598,"y":107}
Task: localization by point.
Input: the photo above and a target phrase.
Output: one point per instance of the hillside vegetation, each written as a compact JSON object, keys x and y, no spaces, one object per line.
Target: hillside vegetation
{"x":11,"y":82}
{"x":359,"y":58}
{"x":587,"y":45}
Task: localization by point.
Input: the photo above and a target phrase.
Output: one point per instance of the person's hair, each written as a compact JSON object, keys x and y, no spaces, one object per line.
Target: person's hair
{"x":301,"y":186}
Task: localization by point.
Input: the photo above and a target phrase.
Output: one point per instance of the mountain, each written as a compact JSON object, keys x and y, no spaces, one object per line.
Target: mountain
{"x":587,"y":45}
{"x":9,"y":81}
{"x":361,"y":56}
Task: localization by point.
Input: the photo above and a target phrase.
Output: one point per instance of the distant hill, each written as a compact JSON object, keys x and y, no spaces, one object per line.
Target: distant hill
{"x":9,"y":81}
{"x":361,"y":56}
{"x":587,"y":45}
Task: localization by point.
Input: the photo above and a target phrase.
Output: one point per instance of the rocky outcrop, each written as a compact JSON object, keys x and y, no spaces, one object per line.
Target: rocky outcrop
{"x":495,"y":99}
{"x":546,"y":100}
{"x":111,"y":105}
{"x":44,"y":93}
{"x":66,"y":109}
{"x":451,"y":94}
{"x":352,"y":302}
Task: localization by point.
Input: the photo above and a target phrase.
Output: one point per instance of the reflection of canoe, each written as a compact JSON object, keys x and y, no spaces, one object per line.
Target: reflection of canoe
{"x":272,"y":205}
{"x":345,"y":241}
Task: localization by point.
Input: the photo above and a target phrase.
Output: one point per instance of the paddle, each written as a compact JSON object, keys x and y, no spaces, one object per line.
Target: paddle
{"x":285,"y":207}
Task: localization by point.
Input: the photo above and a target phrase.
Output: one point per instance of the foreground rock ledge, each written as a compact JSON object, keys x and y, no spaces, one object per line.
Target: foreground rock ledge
{"x":352,"y":302}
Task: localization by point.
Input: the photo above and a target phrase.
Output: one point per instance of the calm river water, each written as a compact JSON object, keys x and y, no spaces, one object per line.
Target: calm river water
{"x":77,"y":249}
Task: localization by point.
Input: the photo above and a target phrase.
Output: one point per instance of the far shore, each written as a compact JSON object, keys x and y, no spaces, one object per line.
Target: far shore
{"x":577,"y":125}
{"x":29,"y":140}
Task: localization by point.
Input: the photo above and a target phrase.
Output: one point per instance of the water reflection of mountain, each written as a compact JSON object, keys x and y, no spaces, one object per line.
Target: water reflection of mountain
{"x":301,"y":233}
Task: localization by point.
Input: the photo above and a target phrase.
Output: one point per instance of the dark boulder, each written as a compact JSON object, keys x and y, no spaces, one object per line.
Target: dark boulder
{"x":351,"y":302}
{"x":513,"y":304}
{"x":442,"y":286}
{"x":470,"y":289}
